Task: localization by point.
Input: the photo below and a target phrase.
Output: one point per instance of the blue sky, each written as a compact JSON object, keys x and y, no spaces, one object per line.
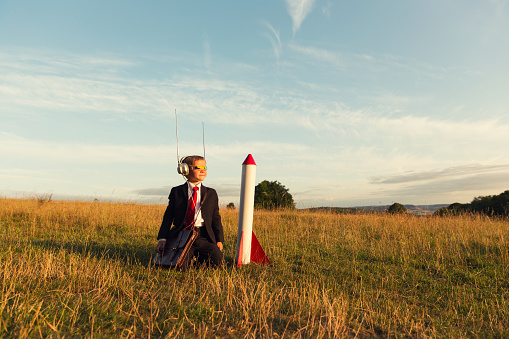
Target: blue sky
{"x":346,"y":103}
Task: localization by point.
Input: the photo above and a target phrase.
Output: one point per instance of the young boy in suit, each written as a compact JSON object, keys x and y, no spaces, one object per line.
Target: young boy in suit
{"x":208,"y":246}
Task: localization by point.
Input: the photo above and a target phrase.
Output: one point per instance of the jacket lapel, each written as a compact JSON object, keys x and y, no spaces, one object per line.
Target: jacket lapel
{"x":203,"y":193}
{"x":184,"y":188}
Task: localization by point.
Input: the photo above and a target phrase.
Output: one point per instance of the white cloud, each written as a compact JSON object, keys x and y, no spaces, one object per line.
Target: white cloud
{"x":257,"y":147}
{"x":456,"y":172}
{"x":320,"y":55}
{"x":389,"y":99}
{"x":298,"y":10}
{"x":449,"y":188}
{"x":24,"y":93}
{"x":448,"y":185}
{"x":13,"y":146}
{"x":370,"y":67}
{"x":22,"y":173}
{"x":275,"y":41}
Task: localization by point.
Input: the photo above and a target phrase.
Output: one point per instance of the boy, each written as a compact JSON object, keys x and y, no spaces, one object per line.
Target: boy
{"x":208,"y":246}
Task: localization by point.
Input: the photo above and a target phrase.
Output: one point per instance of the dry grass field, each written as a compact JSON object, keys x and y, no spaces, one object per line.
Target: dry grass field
{"x":81,"y":270}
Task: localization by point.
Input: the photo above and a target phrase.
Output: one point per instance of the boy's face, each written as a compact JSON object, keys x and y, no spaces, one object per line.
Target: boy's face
{"x":196,"y":176}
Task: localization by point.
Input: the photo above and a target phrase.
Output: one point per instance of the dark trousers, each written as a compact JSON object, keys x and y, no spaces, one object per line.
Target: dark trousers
{"x":204,"y":250}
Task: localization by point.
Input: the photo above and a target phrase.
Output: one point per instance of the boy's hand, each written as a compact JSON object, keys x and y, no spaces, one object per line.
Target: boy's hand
{"x":220,"y":245}
{"x":160,"y":246}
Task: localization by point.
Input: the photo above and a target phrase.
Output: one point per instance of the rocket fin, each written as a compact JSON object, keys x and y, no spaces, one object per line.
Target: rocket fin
{"x":257,"y":253}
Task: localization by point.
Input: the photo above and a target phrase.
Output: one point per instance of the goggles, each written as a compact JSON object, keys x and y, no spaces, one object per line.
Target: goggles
{"x":199,"y":168}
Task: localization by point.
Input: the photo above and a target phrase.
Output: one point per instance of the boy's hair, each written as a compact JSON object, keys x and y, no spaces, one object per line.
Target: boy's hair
{"x":189,"y":160}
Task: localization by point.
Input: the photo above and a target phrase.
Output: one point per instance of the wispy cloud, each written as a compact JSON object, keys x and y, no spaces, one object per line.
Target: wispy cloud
{"x":370,"y":67}
{"x":16,"y":147}
{"x":298,"y":10}
{"x":34,"y":80}
{"x":452,"y":189}
{"x":22,"y":173}
{"x":45,"y":61}
{"x":444,"y":185}
{"x":49,"y":92}
{"x":275,"y":41}
{"x":319,"y":55}
{"x":456,"y":172}
{"x":454,"y":184}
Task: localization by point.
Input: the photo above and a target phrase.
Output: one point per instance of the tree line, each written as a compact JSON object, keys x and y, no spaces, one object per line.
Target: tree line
{"x":491,"y":205}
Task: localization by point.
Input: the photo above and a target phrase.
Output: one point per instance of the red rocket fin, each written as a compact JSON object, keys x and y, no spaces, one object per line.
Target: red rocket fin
{"x":257,"y":253}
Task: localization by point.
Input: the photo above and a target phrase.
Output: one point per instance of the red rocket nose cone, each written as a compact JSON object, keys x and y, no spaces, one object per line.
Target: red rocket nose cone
{"x":249,"y":160}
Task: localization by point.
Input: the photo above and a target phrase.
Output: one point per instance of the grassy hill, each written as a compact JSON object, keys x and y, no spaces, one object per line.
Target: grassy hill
{"x":80,"y":269}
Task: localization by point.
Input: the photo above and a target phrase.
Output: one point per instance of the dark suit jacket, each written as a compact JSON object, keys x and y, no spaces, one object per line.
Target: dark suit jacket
{"x":175,"y":213}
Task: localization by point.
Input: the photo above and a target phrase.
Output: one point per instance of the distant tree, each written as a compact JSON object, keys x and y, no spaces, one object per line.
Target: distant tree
{"x":452,"y":209}
{"x":396,"y":208}
{"x":272,"y":194}
{"x":456,"y":206}
{"x":231,"y":206}
{"x":492,"y":204}
{"x":442,"y":212}
{"x":482,"y":204}
{"x":500,"y":204}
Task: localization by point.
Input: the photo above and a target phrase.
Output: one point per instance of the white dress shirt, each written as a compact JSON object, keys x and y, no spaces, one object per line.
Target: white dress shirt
{"x":197,"y":216}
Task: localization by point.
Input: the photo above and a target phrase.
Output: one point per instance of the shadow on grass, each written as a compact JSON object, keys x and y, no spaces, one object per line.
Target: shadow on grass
{"x":125,"y":253}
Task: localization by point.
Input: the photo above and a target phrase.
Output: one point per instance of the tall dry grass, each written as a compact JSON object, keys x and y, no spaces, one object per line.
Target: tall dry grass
{"x":77,"y":269}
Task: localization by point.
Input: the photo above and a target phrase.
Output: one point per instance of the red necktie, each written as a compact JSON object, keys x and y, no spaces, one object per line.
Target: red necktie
{"x":191,"y":209}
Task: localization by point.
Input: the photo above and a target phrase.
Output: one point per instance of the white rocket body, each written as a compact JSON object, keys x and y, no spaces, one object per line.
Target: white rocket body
{"x":246,"y":240}
{"x":247,"y":191}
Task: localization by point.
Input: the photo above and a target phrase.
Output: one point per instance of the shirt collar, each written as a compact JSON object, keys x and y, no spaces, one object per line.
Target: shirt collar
{"x":190,"y":186}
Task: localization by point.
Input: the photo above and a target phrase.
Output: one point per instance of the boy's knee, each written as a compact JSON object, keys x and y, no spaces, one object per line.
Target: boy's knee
{"x":217,"y":258}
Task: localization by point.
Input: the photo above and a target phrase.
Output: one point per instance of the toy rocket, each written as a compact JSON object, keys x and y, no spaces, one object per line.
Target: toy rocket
{"x":248,"y":247}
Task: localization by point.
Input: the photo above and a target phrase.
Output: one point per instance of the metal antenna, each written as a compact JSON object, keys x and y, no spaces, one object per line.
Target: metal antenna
{"x":203,"y":132}
{"x":177,"y":134}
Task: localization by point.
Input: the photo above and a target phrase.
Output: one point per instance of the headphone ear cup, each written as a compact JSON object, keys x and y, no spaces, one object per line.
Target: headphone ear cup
{"x":183,"y":168}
